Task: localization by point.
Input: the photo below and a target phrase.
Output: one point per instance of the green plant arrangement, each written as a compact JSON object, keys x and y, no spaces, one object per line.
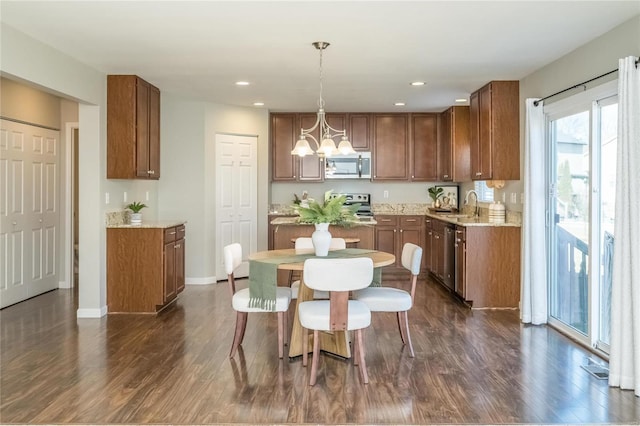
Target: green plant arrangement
{"x":332,"y":211}
{"x":136,"y":206}
{"x":435,"y":192}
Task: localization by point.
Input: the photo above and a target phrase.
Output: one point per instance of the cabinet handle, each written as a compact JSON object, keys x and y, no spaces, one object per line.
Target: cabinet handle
{"x":458,"y":240}
{"x":172,"y":233}
{"x":437,"y":237}
{"x":455,"y":245}
{"x":445,"y":176}
{"x":401,"y":231}
{"x":151,"y":172}
{"x":478,"y":173}
{"x":430,"y":233}
{"x":458,"y":232}
{"x":176,"y":246}
{"x":410,"y":220}
{"x":428,"y":221}
{"x":394,"y":230}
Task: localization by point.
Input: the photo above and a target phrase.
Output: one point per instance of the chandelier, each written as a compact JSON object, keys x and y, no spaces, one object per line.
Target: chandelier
{"x":326,"y":147}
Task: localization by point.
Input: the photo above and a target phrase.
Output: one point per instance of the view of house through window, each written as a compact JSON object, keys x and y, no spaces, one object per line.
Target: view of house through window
{"x":583,"y":140}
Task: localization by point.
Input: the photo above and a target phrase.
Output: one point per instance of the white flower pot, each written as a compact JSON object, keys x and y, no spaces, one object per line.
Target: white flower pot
{"x":136,"y":218}
{"x":321,"y":239}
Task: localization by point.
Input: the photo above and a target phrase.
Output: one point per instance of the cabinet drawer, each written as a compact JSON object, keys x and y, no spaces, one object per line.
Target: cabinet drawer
{"x":170,"y":235}
{"x":409,"y":221}
{"x":387,"y":220}
{"x":438,"y":225}
{"x":180,"y":231}
{"x":428,"y":223}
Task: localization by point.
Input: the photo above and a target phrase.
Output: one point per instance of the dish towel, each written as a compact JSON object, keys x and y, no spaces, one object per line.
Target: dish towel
{"x":263,"y":275}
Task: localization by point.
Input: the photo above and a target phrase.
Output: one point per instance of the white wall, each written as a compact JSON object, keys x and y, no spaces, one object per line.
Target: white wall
{"x":238,"y":121}
{"x":398,"y":192}
{"x":35,"y":64}
{"x":590,"y":60}
{"x":187,"y":186}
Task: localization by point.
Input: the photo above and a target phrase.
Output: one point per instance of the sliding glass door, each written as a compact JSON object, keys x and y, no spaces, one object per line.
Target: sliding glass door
{"x":582,"y":155}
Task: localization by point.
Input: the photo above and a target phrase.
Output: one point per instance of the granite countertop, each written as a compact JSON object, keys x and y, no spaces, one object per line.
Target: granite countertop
{"x":294,"y":221}
{"x":163,"y":224}
{"x":470,"y":221}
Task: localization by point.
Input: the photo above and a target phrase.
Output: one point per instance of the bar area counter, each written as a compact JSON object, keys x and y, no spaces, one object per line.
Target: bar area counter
{"x":285,"y":229}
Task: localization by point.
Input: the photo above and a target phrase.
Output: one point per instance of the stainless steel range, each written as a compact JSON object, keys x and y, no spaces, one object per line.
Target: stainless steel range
{"x":364,"y":212}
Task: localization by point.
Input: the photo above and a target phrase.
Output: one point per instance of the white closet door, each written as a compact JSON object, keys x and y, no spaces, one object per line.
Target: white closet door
{"x":236,"y":196}
{"x":29,"y":211}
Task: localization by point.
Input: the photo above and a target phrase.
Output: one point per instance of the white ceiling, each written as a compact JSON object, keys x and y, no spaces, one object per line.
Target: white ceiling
{"x":199,"y":49}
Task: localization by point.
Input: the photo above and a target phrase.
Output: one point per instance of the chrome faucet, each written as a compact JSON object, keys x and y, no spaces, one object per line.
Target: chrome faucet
{"x":476,"y":213}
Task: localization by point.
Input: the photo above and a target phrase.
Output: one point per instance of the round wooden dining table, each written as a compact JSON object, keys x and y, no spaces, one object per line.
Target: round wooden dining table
{"x":336,"y":342}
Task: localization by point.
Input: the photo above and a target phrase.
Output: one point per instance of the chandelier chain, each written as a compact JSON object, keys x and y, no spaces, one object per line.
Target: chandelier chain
{"x":321,"y":100}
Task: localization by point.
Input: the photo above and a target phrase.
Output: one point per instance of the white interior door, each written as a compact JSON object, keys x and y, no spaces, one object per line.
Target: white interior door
{"x":29,"y":211}
{"x":236,"y":195}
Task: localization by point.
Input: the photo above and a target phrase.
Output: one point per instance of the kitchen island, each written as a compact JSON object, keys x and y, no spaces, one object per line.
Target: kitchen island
{"x":284,"y":229}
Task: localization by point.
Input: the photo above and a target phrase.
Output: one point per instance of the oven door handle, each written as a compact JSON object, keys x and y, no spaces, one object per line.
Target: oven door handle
{"x":359,"y":166}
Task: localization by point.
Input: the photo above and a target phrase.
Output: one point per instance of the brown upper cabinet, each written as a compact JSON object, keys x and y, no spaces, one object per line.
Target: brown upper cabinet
{"x":133,"y":128}
{"x":453,"y":145}
{"x":495,"y":131}
{"x":359,"y":131}
{"x":285,"y":131}
{"x":424,"y":147}
{"x":390,"y":147}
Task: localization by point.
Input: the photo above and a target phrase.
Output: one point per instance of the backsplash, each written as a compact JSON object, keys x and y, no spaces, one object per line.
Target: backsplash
{"x":408,"y":209}
{"x":116,"y":218}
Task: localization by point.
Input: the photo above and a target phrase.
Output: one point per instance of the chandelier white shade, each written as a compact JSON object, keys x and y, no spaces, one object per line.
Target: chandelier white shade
{"x":326,"y":146}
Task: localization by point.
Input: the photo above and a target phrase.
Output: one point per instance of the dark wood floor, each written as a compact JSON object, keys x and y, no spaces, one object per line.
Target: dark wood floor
{"x":474,"y":367}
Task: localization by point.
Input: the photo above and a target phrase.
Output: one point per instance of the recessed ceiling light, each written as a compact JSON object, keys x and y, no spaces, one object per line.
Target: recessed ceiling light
{"x":461,"y":100}
{"x":399,"y":104}
{"x":417,"y":83}
{"x":242,"y":83}
{"x":258,"y":104}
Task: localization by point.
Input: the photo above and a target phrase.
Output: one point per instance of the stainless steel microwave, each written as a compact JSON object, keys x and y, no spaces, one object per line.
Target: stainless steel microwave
{"x":352,"y":166}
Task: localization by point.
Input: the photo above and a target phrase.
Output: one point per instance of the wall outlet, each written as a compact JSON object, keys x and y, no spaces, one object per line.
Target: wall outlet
{"x":385,"y":194}
{"x":106,"y":198}
{"x":522,"y":198}
{"x":514,"y":198}
{"x":146,"y":196}
{"x":124,"y":196}
{"x":504,"y":197}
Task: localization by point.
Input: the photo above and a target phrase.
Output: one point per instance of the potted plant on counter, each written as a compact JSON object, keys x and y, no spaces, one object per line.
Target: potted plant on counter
{"x":136,"y":216}
{"x":331,"y":211}
{"x":435,"y":192}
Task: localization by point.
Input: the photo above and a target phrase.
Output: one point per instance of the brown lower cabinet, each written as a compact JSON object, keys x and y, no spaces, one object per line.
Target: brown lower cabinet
{"x":393,"y":231}
{"x":145,"y":268}
{"x":442,"y":252}
{"x":487,"y":268}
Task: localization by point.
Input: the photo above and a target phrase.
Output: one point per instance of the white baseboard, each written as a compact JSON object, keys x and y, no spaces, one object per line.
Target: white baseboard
{"x":200,"y":280}
{"x":64,"y":284}
{"x":91,"y":313}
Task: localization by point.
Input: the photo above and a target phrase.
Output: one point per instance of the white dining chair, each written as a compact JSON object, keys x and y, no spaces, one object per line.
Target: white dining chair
{"x":389,"y":299}
{"x":338,"y":277}
{"x":240,"y":301}
{"x":306,"y":243}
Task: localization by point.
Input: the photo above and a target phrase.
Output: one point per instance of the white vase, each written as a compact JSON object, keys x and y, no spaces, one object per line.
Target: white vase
{"x":321,"y":239}
{"x":136,"y":218}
